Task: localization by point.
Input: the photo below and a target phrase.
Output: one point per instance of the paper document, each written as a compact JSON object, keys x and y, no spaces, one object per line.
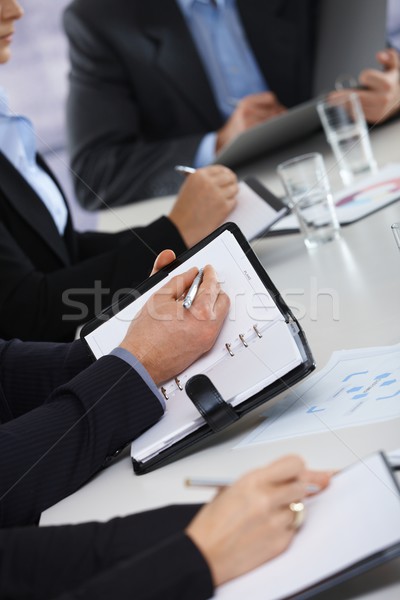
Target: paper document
{"x":355,"y":387}
{"x":357,"y":518}
{"x":368,"y":195}
{"x":257,"y":209}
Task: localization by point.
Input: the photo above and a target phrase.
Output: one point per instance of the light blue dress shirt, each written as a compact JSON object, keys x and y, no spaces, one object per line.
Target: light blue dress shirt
{"x":18,"y":144}
{"x":227,"y":58}
{"x":129,"y":358}
{"x":393,"y":23}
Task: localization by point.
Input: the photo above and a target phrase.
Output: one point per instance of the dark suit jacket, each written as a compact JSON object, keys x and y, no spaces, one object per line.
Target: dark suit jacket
{"x":37,"y":265}
{"x":61,"y":418}
{"x":140,"y":101}
{"x":142,"y":557}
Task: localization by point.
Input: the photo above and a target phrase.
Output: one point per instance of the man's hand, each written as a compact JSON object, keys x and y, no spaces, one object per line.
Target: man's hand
{"x":250,"y":522}
{"x":251,"y":110}
{"x":381,"y":98}
{"x":165,"y":337}
{"x":205,"y":200}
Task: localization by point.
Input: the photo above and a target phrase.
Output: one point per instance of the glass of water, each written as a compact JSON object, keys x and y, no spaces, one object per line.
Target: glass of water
{"x":306,"y":183}
{"x":346,"y":130}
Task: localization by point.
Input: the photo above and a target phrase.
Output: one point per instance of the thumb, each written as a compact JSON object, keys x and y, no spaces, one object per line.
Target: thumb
{"x":389,"y":58}
{"x":163,"y":259}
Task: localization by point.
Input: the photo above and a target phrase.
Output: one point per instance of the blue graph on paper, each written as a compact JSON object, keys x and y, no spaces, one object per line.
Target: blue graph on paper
{"x":356,"y":387}
{"x":380,"y":380}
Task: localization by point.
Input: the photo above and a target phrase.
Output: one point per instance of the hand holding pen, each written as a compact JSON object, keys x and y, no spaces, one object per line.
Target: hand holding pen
{"x":205,"y":200}
{"x":254,"y":519}
{"x":164,"y":327}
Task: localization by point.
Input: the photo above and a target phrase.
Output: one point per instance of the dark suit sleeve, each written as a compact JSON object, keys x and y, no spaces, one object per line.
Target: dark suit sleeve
{"x":40,"y":377}
{"x":39,"y":305}
{"x":112,"y":150}
{"x":50,"y":451}
{"x":143,"y":556}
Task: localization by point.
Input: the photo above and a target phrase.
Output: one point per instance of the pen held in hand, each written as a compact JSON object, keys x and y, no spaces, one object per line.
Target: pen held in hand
{"x":184,"y":170}
{"x":209,"y":482}
{"x":190,"y":296}
{"x":312,"y":488}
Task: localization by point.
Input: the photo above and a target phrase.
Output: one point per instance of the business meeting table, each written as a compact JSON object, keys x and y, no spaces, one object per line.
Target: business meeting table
{"x":346,"y":294}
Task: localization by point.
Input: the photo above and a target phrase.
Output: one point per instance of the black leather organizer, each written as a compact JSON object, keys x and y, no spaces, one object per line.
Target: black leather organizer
{"x":216,"y":413}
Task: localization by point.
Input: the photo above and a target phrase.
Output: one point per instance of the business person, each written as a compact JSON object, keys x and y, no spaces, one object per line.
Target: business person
{"x":177,"y":552}
{"x":158,"y":83}
{"x":52,"y":277}
{"x":145,"y":87}
{"x":61,"y":416}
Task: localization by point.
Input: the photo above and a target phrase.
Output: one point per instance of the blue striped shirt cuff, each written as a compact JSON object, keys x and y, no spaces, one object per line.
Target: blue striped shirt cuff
{"x":129,"y":358}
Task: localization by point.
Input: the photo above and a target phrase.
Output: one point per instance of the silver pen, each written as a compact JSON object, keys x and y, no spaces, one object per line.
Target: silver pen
{"x":208,"y":482}
{"x":191,"y":295}
{"x":185,"y":170}
{"x":311,"y":488}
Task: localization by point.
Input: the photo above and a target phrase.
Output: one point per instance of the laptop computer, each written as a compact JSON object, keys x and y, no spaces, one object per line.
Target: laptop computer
{"x":350,"y":33}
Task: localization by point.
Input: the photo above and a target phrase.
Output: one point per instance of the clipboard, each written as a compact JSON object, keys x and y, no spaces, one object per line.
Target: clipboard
{"x":260,"y":351}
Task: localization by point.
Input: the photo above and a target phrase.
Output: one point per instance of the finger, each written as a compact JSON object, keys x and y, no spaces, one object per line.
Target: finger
{"x":231,"y":191}
{"x":261,"y":99}
{"x":316,"y":480}
{"x":260,"y":113}
{"x":223,"y":176}
{"x":221,"y":306}
{"x":284,"y":469}
{"x":375,"y":80}
{"x":209,"y":289}
{"x":283,"y":494}
{"x":179,"y":284}
{"x":163,"y":259}
{"x":284,"y":519}
{"x":215,"y":170}
{"x":389,"y":58}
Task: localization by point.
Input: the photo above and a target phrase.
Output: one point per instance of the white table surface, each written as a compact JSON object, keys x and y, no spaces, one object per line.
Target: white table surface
{"x":346,"y":294}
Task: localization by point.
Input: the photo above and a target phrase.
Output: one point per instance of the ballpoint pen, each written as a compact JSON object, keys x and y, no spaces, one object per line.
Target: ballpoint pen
{"x":226,"y":482}
{"x":208,"y":482}
{"x":185,"y":170}
{"x":190,"y":296}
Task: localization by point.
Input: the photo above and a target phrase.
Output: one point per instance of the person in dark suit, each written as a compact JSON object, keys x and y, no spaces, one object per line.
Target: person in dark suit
{"x":141,"y":100}
{"x":63,"y":417}
{"x":53,"y":283}
{"x":54,"y":278}
{"x":154,"y":84}
{"x":180,"y":552}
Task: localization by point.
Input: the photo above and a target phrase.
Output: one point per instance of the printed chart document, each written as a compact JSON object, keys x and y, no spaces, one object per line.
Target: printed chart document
{"x":370,"y":194}
{"x":256,"y":345}
{"x":350,"y":527}
{"x":355,"y":387}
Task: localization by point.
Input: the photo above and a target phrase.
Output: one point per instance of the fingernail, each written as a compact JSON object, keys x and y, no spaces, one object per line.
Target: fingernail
{"x":313,"y":488}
